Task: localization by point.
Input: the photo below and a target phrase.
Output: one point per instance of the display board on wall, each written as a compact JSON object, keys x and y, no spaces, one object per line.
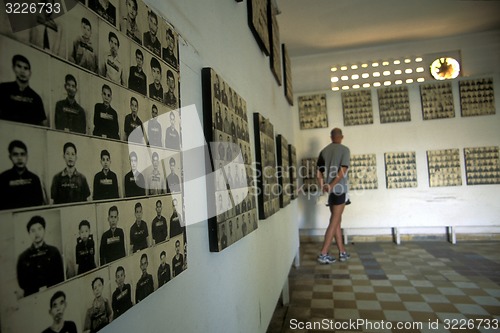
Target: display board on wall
{"x":482,"y":165}
{"x":267,"y":180}
{"x":400,"y":170}
{"x":394,"y":104}
{"x":294,"y":172}
{"x":231,"y":202}
{"x":477,"y":97}
{"x":97,"y":222}
{"x":437,"y":100}
{"x":444,"y":167}
{"x":258,"y":23}
{"x":309,"y":181}
{"x":363,"y":172}
{"x":287,"y":75}
{"x":274,"y":33}
{"x":313,"y":111}
{"x":357,"y":106}
{"x":283,"y":158}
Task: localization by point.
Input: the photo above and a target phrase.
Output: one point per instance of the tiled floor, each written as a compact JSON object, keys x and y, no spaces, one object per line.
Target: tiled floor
{"x":428,"y":286}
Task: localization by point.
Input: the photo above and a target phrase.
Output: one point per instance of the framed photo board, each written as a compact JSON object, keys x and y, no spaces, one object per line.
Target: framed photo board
{"x":477,"y":97}
{"x":267,"y":180}
{"x":363,"y":172}
{"x":482,"y":165}
{"x":308,"y":171}
{"x":400,"y":170}
{"x":437,"y":100}
{"x":258,"y":23}
{"x":394,"y":105}
{"x":294,"y":170}
{"x":444,"y":167}
{"x":274,"y":33}
{"x":283,"y":158}
{"x":357,"y":106}
{"x":287,"y":75}
{"x":231,"y":199}
{"x":313,"y":111}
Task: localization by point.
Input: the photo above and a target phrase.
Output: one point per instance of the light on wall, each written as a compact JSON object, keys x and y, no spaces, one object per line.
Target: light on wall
{"x":445,"y":68}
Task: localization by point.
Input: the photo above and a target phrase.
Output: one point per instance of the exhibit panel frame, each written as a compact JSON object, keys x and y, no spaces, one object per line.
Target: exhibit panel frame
{"x":312,"y":111}
{"x":283,"y":170}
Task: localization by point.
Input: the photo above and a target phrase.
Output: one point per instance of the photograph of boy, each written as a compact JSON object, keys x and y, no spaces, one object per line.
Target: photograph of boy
{"x":105,"y":9}
{"x":169,"y":98}
{"x":84,"y":52}
{"x":156,"y":182}
{"x":169,"y":53}
{"x":154,"y":128}
{"x":177,"y":260}
{"x":159,"y":228}
{"x":56,"y":310}
{"x":85,"y":249}
{"x":69,"y":185}
{"x":155,"y":88}
{"x":128,"y":24}
{"x":137,"y":79}
{"x":48,"y":34}
{"x":133,"y":128}
{"x":105,"y":117}
{"x":105,"y":181}
{"x":135,"y":185}
{"x":163,"y":270}
{"x":20,"y":187}
{"x":151,"y":40}
{"x":172,"y":136}
{"x":69,"y":115}
{"x":112,"y":66}
{"x":121,"y":300}
{"x":173,"y":180}
{"x":99,"y":314}
{"x":139,"y":234}
{"x":39,"y":266}
{"x":145,"y":285}
{"x":112,"y":240}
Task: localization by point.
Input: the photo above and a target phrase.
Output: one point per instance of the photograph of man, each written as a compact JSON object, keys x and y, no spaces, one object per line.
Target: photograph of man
{"x":170,"y":98}
{"x":99,"y":314}
{"x":105,"y":117}
{"x":175,"y":221}
{"x":128,"y":24}
{"x":163,"y":270}
{"x":177,"y":260}
{"x":156,"y":182}
{"x":83,"y":52}
{"x":18,"y":101}
{"x":48,"y":34}
{"x":173,"y":181}
{"x":20,"y":187}
{"x":139,"y":234}
{"x":69,"y":115}
{"x":41,"y":265}
{"x":135,"y":184}
{"x":105,"y":9}
{"x":137,"y":79}
{"x":56,"y":311}
{"x":69,"y":185}
{"x":159,"y":229}
{"x":155,"y":88}
{"x":133,"y":124}
{"x":154,"y":128}
{"x":113,"y":240}
{"x":219,"y":124}
{"x":150,"y":40}
{"x":168,"y":54}
{"x":223,"y":236}
{"x":145,"y":285}
{"x":85,"y":249}
{"x":112,"y":67}
{"x":172,"y":137}
{"x":121,"y":299}
{"x":105,"y":181}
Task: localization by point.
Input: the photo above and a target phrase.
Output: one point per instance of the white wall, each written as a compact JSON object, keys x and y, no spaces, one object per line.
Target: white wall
{"x":235,"y":290}
{"x":421,"y":206}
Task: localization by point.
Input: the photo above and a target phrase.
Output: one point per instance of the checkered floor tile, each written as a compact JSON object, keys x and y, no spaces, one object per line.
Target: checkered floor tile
{"x":420,"y":286}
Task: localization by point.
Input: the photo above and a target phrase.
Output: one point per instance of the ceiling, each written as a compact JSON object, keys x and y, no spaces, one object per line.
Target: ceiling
{"x":311,"y":27}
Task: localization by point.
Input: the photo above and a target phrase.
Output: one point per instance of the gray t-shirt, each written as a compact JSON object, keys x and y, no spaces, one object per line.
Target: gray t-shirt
{"x":330,"y":160}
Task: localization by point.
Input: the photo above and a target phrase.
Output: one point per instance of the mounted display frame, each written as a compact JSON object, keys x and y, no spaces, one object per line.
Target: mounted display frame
{"x":477,"y":97}
{"x":394,"y":104}
{"x":294,"y":170}
{"x":482,"y":165}
{"x":357,"y":107}
{"x":287,"y":75}
{"x":267,"y":180}
{"x":363,"y":172}
{"x":309,"y":181}
{"x":274,"y":36}
{"x":400,"y":170}
{"x":283,"y":171}
{"x":230,"y":194}
{"x":258,"y":23}
{"x":312,"y":111}
{"x":437,"y":100}
{"x":444,"y":167}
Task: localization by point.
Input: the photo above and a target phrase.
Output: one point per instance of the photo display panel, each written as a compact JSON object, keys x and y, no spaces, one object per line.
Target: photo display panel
{"x":363,"y":172}
{"x":258,"y":23}
{"x":284,"y":177}
{"x":400,"y":170}
{"x":313,"y":111}
{"x":357,"y":106}
{"x":437,"y":100}
{"x":267,"y":180}
{"x":294,"y":170}
{"x":92,"y":214}
{"x":287,"y":75}
{"x":482,"y":165}
{"x":444,"y":167}
{"x":477,"y":97}
{"x":308,"y":170}
{"x":275,"y":47}
{"x":232,"y":205}
{"x":394,"y":105}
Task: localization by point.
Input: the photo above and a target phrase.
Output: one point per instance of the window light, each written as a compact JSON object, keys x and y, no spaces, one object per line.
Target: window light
{"x":333,"y":69}
{"x":387,"y":83}
{"x":407,"y":61}
{"x":420,"y":79}
{"x":376,"y":74}
{"x":345,"y":87}
{"x":344,"y":77}
{"x":398,"y":72}
{"x":409,"y":80}
{"x":355,"y":77}
{"x":343,"y":68}
{"x":386,"y":73}
{"x":375,"y":64}
{"x":354,"y":67}
{"x":420,"y":70}
{"x":408,"y":71}
{"x":366,"y":85}
{"x":365,"y":75}
{"x":334,"y":79}
{"x":419,"y":59}
{"x":397,"y":62}
{"x":376,"y":84}
{"x":356,"y":86}
{"x":398,"y":82}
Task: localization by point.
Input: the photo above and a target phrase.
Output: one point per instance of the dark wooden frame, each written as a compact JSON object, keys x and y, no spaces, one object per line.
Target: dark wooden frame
{"x":258,"y":23}
{"x":284,"y":181}
{"x":274,"y":37}
{"x":287,"y":75}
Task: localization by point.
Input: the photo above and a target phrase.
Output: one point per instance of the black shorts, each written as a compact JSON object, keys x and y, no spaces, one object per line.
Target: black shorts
{"x":336,"y":199}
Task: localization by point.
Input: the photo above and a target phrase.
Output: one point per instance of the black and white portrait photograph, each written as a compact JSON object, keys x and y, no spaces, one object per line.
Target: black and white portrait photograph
{"x":155,"y":174}
{"x":157,"y":77}
{"x":22,"y":178}
{"x":106,"y":9}
{"x":69,"y":174}
{"x":477,"y":97}
{"x":135,"y":161}
{"x":171,"y":123}
{"x":162,"y":263}
{"x":444,"y":167}
{"x":24,"y":94}
{"x":137,"y":78}
{"x":131,"y":21}
{"x":437,"y":100}
{"x":171,"y":90}
{"x":152,"y":37}
{"x":258,"y":23}
{"x":114,"y":60}
{"x":357,"y":107}
{"x":143,"y":269}
{"x":83,"y":38}
{"x":122,"y":277}
{"x":113,"y":224}
{"x":313,"y":111}
{"x":107,"y":115}
{"x":170,"y":48}
{"x":155,"y":124}
{"x":400,"y":170}
{"x":107,"y":169}
{"x":138,"y":212}
{"x":135,"y":113}
{"x":96,"y":300}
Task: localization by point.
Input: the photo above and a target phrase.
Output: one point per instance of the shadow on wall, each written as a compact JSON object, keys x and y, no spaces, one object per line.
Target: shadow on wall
{"x":310,"y":200}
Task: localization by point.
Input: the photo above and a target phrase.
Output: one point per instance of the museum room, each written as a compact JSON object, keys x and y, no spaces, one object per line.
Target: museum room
{"x":266,"y":166}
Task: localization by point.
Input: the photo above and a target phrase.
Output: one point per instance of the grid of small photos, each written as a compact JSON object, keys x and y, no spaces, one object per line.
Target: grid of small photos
{"x":294,"y":175}
{"x":308,"y":173}
{"x":274,"y":33}
{"x":363,"y":172}
{"x":400,"y":170}
{"x":444,"y":167}
{"x":92,"y":97}
{"x":312,"y":111}
{"x":285,"y":187}
{"x":437,"y":100}
{"x":287,"y":75}
{"x":394,"y":104}
{"x":357,"y":106}
{"x":482,"y":165}
{"x":267,"y":180}
{"x":232,"y":208}
{"x":477,"y":97}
